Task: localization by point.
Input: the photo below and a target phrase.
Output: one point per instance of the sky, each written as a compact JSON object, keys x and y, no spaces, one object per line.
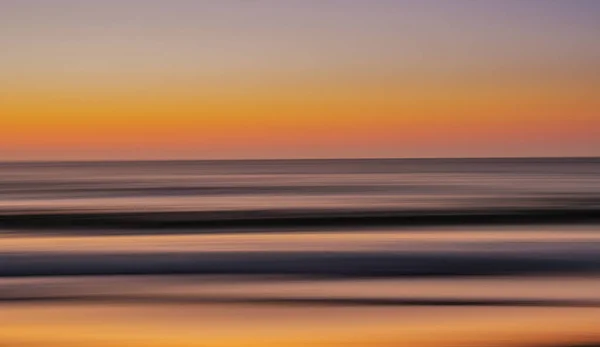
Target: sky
{"x":228,"y":79}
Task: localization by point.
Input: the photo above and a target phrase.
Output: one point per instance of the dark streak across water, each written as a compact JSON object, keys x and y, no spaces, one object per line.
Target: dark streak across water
{"x":303,"y":264}
{"x":199,"y":222}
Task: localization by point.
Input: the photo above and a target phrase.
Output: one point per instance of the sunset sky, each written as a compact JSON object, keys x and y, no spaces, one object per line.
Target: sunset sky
{"x":209,"y":79}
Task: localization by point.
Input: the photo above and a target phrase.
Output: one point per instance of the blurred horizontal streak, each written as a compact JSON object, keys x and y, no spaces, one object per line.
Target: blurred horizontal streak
{"x":206,"y":221}
{"x":324,"y":301}
{"x":488,"y":239}
{"x":91,"y":189}
{"x":304,"y":264}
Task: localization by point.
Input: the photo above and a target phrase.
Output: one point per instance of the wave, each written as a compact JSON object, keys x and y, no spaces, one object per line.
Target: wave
{"x":303,"y":264}
{"x":281,"y":220}
{"x":315,"y":301}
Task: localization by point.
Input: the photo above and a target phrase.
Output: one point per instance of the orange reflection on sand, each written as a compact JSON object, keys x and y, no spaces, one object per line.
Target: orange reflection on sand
{"x":246,"y":325}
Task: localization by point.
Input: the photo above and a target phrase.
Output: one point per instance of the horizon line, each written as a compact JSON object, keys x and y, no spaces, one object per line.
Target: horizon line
{"x":108,"y":160}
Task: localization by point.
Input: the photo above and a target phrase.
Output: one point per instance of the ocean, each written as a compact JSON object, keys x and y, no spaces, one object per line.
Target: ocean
{"x":328,"y":252}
